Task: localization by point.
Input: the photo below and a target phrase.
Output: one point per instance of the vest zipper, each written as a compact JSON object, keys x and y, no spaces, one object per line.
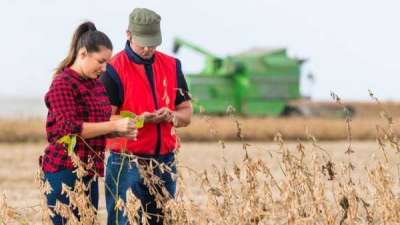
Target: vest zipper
{"x":150,"y":76}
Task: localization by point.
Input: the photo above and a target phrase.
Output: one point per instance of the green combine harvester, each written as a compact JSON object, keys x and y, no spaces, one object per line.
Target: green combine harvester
{"x":259,"y":82}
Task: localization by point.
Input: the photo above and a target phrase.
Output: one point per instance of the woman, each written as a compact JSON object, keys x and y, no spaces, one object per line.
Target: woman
{"x":78,"y":105}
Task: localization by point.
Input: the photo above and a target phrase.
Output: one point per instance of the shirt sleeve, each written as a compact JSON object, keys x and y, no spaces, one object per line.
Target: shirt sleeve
{"x":63,"y":108}
{"x":112,"y":87}
{"x":182,"y":92}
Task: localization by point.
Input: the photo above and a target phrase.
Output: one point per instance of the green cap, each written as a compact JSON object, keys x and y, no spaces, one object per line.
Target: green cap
{"x":144,"y":25}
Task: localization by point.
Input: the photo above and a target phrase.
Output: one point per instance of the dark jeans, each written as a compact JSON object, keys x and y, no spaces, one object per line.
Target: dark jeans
{"x":129,"y":178}
{"x":69,"y":178}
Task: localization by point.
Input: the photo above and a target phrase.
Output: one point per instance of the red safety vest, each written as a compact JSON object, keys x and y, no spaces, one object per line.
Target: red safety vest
{"x":152,"y":139}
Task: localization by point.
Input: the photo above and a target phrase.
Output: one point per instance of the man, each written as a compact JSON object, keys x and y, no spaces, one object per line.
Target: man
{"x":144,"y":81}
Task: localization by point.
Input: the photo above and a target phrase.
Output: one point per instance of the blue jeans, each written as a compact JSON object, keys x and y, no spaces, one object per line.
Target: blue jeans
{"x":126,"y":170}
{"x":69,"y":178}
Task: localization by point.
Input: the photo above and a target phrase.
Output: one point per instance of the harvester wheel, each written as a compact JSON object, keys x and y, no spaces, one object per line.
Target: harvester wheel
{"x":291,"y":111}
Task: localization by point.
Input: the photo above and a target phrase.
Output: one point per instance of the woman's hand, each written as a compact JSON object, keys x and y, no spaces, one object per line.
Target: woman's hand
{"x":126,"y":127}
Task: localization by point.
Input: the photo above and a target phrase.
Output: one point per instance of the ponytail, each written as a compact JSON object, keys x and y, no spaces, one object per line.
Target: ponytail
{"x":87,"y":36}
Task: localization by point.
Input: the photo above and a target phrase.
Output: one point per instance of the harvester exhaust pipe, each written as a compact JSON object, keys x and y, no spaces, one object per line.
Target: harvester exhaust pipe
{"x":176,"y":46}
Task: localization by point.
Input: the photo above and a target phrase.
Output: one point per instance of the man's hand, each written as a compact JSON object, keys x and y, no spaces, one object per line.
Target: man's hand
{"x":149,"y":117}
{"x":161,"y":115}
{"x":164,"y":115}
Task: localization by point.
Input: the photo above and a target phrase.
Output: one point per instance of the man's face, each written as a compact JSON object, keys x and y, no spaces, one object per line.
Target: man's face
{"x":146,"y":52}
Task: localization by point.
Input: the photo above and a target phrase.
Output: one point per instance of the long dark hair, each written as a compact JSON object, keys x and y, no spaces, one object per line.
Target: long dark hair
{"x":87,"y":36}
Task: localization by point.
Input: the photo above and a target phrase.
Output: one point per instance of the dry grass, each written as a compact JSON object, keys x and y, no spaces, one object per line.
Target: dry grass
{"x":302,"y":183}
{"x":264,"y":129}
{"x":254,"y":129}
{"x":17,"y":175}
{"x":230,"y":196}
{"x":22,"y":130}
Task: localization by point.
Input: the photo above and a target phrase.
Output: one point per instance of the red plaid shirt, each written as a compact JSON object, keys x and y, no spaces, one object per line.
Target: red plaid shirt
{"x":72,"y":100}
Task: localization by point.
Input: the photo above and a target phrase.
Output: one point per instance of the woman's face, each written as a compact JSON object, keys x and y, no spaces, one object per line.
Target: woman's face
{"x":93,"y":64}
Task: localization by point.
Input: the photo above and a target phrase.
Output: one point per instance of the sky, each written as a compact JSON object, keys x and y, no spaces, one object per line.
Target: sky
{"x":352,"y":45}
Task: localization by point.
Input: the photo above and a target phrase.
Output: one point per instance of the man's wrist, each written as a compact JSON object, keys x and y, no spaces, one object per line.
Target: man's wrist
{"x":174,"y":119}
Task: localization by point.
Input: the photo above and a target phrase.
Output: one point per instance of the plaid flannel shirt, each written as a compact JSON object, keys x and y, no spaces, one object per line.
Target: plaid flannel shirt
{"x":72,"y":100}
